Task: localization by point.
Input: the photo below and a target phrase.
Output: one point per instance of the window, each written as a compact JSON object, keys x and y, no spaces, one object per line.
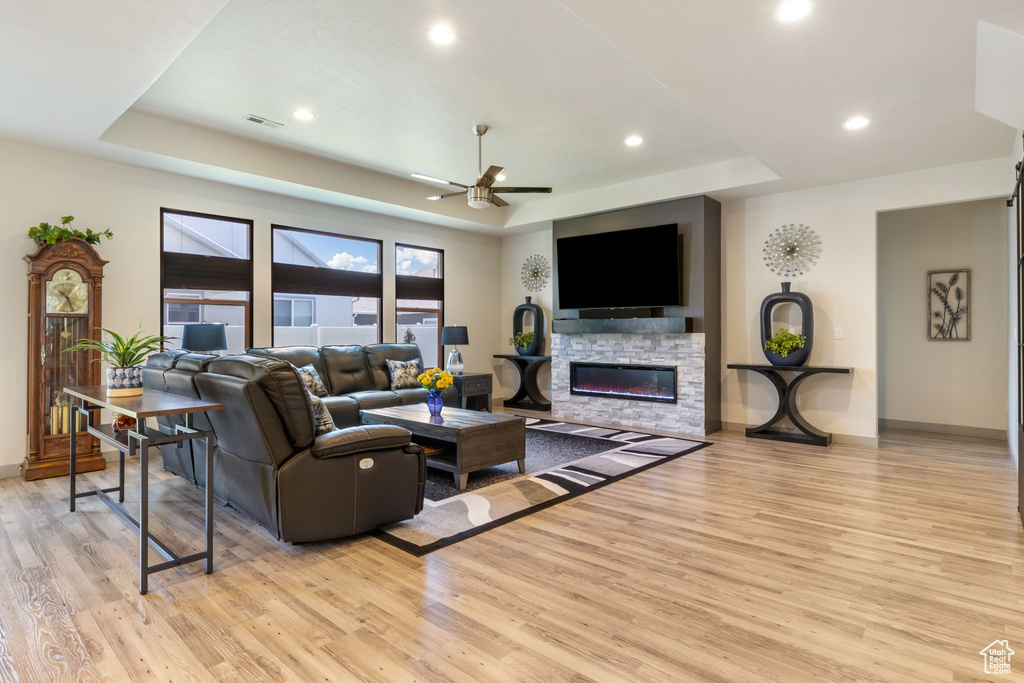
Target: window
{"x":419,"y":299}
{"x":206,"y":275}
{"x":327,"y":288}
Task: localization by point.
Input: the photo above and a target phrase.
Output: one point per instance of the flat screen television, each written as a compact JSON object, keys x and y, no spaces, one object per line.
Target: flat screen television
{"x":623,"y":269}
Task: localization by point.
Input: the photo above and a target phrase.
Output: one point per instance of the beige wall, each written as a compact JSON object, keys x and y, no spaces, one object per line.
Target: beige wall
{"x":949,"y":383}
{"x":842,"y":287}
{"x":37,"y":184}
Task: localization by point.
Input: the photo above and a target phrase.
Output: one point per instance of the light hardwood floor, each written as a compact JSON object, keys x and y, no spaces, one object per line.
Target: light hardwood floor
{"x":745,"y":561}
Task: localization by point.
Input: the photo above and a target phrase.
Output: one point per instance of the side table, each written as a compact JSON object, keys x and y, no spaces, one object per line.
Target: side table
{"x":474,"y":390}
{"x":151,"y":403}
{"x":528,"y":367}
{"x":787,"y":402}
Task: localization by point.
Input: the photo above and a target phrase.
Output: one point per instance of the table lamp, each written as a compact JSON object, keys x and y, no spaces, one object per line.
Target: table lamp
{"x":204,"y":337}
{"x":453,"y":336}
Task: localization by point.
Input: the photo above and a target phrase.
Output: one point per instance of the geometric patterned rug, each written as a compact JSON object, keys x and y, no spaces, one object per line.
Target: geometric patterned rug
{"x":563,"y":460}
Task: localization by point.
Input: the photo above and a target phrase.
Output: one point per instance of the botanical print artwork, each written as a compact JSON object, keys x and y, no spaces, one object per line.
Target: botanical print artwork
{"x":949,"y":297}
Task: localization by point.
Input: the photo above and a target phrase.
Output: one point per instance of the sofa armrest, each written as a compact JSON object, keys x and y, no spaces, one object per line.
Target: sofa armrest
{"x":342,"y":442}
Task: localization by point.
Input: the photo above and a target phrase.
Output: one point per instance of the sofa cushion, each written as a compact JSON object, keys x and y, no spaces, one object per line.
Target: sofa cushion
{"x":314,"y":384}
{"x":378,"y":355}
{"x":360,"y":440}
{"x":368,"y":400}
{"x":285,"y":391}
{"x":344,"y":411}
{"x":193,"y":362}
{"x":346,"y":369}
{"x":404,"y":373}
{"x":299,"y":356}
{"x":410,"y":397}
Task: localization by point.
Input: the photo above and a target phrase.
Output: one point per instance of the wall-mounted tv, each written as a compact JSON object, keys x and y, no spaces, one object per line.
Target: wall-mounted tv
{"x":623,"y":269}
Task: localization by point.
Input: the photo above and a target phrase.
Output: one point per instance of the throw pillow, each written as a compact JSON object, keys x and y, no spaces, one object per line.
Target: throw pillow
{"x":322,"y":420}
{"x":312,"y":380}
{"x":404,"y":374}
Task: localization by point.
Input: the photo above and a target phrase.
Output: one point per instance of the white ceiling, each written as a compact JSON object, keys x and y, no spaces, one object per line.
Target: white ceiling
{"x":729,"y":101}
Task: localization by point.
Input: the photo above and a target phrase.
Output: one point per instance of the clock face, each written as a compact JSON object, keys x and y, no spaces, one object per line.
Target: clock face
{"x":66,"y":293}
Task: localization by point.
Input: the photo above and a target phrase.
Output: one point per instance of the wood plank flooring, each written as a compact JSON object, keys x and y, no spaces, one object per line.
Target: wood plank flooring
{"x":745,"y":561}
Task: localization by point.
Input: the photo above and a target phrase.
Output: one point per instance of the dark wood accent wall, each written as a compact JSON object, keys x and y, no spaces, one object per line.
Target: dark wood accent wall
{"x":699,"y":220}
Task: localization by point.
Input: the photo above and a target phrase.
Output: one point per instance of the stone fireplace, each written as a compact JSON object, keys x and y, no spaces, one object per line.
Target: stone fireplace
{"x":679,"y":356}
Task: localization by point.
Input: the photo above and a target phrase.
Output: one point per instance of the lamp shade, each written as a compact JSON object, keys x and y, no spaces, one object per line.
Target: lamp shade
{"x":204,"y":337}
{"x":454,"y":335}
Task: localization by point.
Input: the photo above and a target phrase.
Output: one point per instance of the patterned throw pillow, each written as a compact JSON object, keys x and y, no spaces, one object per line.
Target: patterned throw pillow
{"x":322,"y":420}
{"x":312,"y":380}
{"x":404,"y":374}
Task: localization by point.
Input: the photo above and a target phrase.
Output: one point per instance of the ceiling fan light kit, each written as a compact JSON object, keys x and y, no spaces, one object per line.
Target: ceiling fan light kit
{"x":481,"y":194}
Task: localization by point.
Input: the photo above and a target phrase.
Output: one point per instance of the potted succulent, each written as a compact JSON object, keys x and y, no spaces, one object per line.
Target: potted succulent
{"x":786,"y":349}
{"x":521,"y":342}
{"x":44,"y":233}
{"x":125,"y":356}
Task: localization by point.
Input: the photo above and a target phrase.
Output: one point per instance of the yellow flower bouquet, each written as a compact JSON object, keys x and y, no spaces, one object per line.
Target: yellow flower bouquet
{"x":435,"y":379}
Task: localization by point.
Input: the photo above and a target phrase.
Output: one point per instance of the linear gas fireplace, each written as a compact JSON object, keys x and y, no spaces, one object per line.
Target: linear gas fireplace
{"x":629,"y":382}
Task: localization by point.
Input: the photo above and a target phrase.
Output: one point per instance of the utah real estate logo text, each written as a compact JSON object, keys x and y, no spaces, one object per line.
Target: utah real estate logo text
{"x":997,"y":657}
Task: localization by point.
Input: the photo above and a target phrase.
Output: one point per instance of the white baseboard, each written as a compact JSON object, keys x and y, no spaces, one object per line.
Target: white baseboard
{"x":933,"y":428}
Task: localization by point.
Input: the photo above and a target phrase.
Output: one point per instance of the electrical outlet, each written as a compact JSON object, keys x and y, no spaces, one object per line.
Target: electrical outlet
{"x":839,"y":333}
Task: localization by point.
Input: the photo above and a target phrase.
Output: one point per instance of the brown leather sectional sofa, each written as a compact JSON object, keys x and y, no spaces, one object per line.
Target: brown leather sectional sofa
{"x":267,"y":461}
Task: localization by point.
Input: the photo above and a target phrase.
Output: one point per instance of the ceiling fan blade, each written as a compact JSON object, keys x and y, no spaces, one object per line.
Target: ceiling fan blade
{"x":446,"y":196}
{"x":488,"y":178}
{"x":432,"y":179}
{"x":520,"y":189}
{"x":498,"y":201}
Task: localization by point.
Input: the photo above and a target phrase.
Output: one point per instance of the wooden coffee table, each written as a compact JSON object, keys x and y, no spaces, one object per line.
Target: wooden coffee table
{"x":473,"y":440}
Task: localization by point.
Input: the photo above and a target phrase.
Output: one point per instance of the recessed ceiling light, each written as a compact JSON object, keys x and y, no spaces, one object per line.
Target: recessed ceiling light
{"x":793,"y":10}
{"x":442,"y":34}
{"x":303,"y":115}
{"x":634,"y":140}
{"x":500,"y":177}
{"x":856,"y":123}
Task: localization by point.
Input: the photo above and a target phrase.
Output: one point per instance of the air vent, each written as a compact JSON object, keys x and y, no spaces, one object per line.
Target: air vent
{"x":262,"y":121}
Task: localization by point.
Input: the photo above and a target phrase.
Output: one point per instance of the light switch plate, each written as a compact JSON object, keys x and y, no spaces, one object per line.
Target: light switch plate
{"x":839,"y":333}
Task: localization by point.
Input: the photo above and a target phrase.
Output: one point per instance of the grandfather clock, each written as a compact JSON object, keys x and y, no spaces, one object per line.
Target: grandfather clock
{"x":64,"y":293}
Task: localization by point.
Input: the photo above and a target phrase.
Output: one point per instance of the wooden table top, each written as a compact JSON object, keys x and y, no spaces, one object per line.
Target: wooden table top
{"x":452,"y":418}
{"x":151,"y":403}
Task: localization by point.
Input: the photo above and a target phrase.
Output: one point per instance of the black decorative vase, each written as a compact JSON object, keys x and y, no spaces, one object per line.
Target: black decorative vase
{"x":518,"y":318}
{"x":800,"y":356}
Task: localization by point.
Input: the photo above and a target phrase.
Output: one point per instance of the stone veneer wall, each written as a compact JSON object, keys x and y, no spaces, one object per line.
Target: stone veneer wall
{"x":684,"y":351}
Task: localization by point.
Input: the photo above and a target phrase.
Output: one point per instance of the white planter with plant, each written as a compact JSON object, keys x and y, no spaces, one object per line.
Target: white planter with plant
{"x":125,"y":356}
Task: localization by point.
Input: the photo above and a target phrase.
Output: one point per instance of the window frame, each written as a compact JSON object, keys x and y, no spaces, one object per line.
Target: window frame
{"x":249,"y":223}
{"x":379,"y":274}
{"x":406,"y":309}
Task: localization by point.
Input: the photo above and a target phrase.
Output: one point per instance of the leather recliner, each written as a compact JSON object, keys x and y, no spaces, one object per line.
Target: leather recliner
{"x":269,"y":464}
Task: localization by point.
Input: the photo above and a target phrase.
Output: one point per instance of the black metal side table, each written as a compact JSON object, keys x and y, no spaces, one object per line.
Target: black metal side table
{"x":787,"y":403}
{"x":151,"y":403}
{"x":528,"y":367}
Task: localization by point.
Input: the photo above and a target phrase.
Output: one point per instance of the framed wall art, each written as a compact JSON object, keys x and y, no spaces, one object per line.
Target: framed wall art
{"x":949,"y":305}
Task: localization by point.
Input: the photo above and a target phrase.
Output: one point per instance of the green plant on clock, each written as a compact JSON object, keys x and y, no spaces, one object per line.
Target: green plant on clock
{"x":44,"y":233}
{"x":521,"y":340}
{"x":785,"y":342}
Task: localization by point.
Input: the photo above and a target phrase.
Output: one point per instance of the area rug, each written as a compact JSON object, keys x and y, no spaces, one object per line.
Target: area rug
{"x":563,"y":460}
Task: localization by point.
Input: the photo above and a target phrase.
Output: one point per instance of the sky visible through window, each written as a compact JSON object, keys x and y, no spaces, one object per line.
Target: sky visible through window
{"x":340,"y":253}
{"x":422,"y":262}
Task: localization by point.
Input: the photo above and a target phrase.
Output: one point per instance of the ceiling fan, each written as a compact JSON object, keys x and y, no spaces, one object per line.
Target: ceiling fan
{"x":482,"y":193}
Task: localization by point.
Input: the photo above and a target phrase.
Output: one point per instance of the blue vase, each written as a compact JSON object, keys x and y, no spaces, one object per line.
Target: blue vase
{"x":434,"y":402}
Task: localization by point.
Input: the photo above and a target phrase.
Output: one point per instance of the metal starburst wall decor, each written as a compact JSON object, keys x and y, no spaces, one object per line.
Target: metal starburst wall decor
{"x":792,"y":250}
{"x":536,"y":271}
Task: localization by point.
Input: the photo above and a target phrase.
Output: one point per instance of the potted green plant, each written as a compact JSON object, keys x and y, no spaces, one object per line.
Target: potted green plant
{"x":786,"y":348}
{"x":125,"y":356}
{"x":44,"y":233}
{"x":521,"y":342}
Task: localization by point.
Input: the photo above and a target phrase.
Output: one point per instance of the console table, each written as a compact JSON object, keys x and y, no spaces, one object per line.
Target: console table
{"x":528,"y":367}
{"x":787,"y":403}
{"x":151,"y":403}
